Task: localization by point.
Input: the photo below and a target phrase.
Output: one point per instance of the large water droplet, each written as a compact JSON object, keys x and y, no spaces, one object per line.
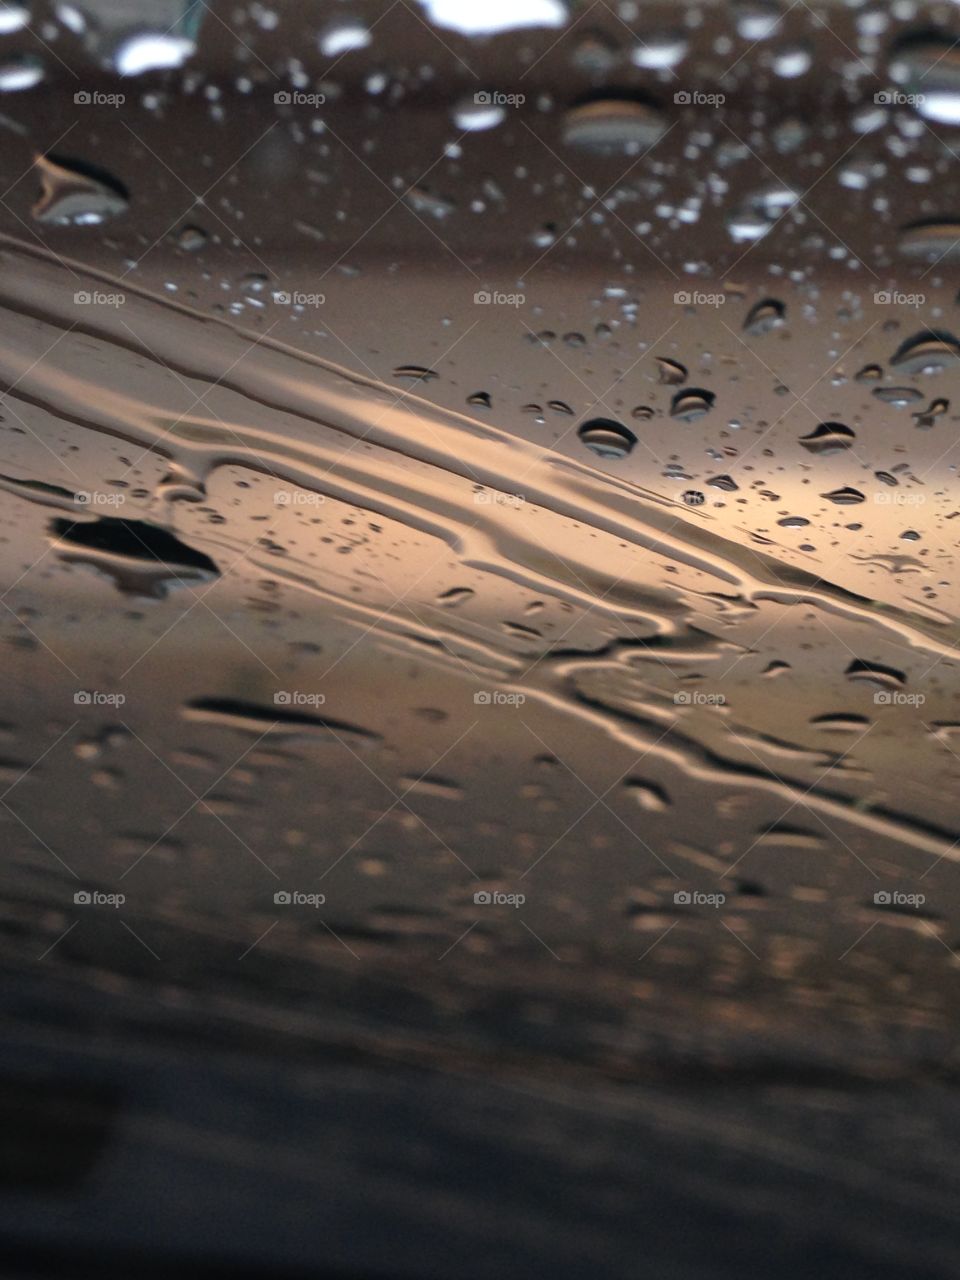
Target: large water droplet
{"x":845,"y":497}
{"x":927,"y":352}
{"x":606,"y":438}
{"x":13,"y":17}
{"x":936,"y":240}
{"x":928,"y":67}
{"x":75,"y":193}
{"x":691,"y":403}
{"x":828,"y":437}
{"x":613,"y":125}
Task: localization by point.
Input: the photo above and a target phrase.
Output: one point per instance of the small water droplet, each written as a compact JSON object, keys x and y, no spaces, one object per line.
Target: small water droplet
{"x":191,"y":239}
{"x":671,"y":372}
{"x":151,"y":51}
{"x":474,"y":116}
{"x":343,"y":37}
{"x":765,"y":315}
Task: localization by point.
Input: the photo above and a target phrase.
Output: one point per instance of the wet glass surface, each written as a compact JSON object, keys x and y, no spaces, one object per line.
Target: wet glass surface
{"x":478,"y":538}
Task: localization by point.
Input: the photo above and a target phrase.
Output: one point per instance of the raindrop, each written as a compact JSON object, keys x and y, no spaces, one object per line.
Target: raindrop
{"x":20,"y":72}
{"x":141,"y":558}
{"x":659,"y":49}
{"x":875,"y":673}
{"x":649,"y":796}
{"x":671,"y":372}
{"x":13,"y":17}
{"x":191,"y":239}
{"x":606,"y":438}
{"x":840,"y":723}
{"x":757,"y":213}
{"x":481,"y":18}
{"x":251,"y":717}
{"x":792,"y":61}
{"x":928,"y":66}
{"x":691,"y":403}
{"x":846,"y":497}
{"x":775,"y":668}
{"x":75,"y":193}
{"x":757,"y":19}
{"x":473,"y":116}
{"x":480,"y":400}
{"x":415,"y":372}
{"x":765,"y":315}
{"x":927,"y":417}
{"x":613,"y":125}
{"x":642,"y":412}
{"x":937,"y":240}
{"x":423,"y":200}
{"x":927,"y":352}
{"x":726,"y":483}
{"x":343,"y":37}
{"x":899,"y":396}
{"x":152,"y":51}
{"x":827,"y":438}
